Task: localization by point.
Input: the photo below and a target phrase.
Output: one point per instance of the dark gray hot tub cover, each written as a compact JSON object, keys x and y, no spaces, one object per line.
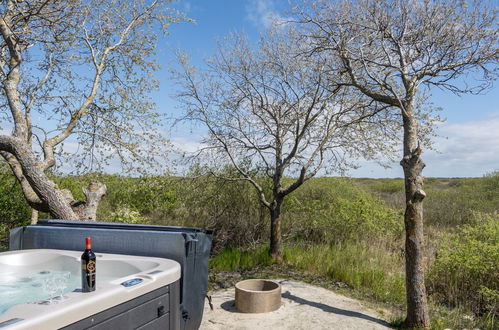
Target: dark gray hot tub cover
{"x":188,"y":246}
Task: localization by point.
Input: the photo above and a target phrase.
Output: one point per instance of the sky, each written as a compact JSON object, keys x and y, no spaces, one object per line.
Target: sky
{"x":468,"y":141}
{"x":467,"y":144}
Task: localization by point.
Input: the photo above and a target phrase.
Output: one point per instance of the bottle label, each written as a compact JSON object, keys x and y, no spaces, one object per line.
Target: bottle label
{"x":91,"y":266}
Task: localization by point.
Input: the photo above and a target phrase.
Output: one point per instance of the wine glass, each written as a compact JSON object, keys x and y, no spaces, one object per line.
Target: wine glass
{"x":49,"y":286}
{"x":61,"y":283}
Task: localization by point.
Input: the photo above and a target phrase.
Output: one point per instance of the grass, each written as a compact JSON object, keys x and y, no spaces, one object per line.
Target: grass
{"x":355,"y":265}
{"x":443,"y":317}
{"x":232,"y":259}
{"x":361,"y":267}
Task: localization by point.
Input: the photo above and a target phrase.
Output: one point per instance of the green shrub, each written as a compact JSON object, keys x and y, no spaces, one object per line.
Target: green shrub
{"x":14,"y":211}
{"x":152,"y":197}
{"x":467,"y":264}
{"x":4,"y":237}
{"x":443,"y":318}
{"x":124,"y":214}
{"x":333,"y":210}
{"x":231,"y":209}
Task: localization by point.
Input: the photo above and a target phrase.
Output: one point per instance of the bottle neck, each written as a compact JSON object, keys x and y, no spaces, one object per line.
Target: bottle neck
{"x":88,"y":243}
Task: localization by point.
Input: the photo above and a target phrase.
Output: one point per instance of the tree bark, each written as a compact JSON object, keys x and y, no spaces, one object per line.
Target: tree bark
{"x":46,"y":190}
{"x":88,"y":210}
{"x":34,"y":216}
{"x":31,"y":197}
{"x":417,"y":307}
{"x":42,"y":193}
{"x":275,"y":230}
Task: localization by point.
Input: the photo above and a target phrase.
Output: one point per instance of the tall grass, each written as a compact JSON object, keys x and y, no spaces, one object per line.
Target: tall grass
{"x":233,"y":259}
{"x":453,"y":204}
{"x":449,"y":202}
{"x":355,"y":264}
{"x":361,"y":266}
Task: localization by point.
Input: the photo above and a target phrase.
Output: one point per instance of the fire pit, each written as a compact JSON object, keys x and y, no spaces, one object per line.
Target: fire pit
{"x":257,"y":296}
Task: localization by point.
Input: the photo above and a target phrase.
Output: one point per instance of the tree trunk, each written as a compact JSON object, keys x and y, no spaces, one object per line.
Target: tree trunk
{"x":58,"y":202}
{"x":34,"y":216}
{"x":417,"y":307}
{"x":46,"y":190}
{"x":275,"y":229}
{"x":88,"y":210}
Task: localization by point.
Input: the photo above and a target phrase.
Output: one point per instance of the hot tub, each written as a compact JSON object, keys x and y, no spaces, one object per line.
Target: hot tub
{"x":132,"y":292}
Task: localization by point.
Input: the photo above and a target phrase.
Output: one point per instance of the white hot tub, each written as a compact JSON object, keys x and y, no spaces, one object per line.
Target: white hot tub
{"x":32,"y":281}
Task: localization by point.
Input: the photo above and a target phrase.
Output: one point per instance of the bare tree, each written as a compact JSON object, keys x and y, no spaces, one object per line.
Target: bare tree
{"x":271,"y":114}
{"x":390,"y":50}
{"x":77,"y":72}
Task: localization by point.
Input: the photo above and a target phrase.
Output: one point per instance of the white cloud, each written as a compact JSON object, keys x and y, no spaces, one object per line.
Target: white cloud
{"x":185,"y":145}
{"x":469,"y":149}
{"x":263,"y":13}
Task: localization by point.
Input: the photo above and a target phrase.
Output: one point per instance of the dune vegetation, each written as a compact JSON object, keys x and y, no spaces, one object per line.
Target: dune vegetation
{"x":344,"y":233}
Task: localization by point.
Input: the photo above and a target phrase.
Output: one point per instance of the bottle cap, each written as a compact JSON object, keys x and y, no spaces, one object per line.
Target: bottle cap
{"x":88,"y":243}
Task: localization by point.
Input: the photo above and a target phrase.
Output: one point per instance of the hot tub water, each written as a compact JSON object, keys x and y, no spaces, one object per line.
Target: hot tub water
{"x":35,"y":285}
{"x":40,"y":286}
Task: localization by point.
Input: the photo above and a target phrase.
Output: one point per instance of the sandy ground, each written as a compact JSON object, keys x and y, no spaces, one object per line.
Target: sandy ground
{"x":303,"y":307}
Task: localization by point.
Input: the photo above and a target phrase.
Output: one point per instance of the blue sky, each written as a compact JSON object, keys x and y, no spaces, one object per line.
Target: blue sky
{"x":468,"y":145}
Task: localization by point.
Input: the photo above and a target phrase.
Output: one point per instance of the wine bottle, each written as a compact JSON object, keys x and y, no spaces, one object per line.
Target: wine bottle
{"x":88,"y":267}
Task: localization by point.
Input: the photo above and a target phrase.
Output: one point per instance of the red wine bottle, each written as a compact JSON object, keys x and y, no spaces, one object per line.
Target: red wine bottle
{"x":88,"y":267}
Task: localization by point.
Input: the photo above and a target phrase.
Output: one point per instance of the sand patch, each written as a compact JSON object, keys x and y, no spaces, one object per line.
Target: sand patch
{"x":304,"y":306}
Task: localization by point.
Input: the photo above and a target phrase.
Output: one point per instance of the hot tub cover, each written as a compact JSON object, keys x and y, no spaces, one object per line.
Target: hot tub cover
{"x":190,"y":247}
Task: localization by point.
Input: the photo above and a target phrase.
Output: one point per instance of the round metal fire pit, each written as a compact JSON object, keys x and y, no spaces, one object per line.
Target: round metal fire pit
{"x":257,"y":296}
